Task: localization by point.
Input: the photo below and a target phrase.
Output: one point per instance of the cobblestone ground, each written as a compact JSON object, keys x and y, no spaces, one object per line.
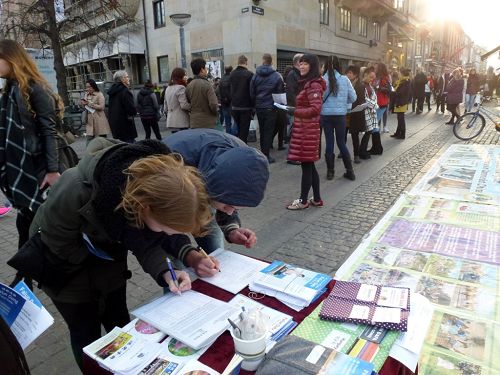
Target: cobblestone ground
{"x":319,"y":239}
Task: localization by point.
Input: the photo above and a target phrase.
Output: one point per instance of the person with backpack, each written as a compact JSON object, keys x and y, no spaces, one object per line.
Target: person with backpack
{"x":225,"y":101}
{"x":29,"y":162}
{"x":149,"y":110}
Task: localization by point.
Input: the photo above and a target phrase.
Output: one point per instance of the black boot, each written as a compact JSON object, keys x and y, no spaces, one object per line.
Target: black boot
{"x":330,"y":166}
{"x":377,"y":148}
{"x":349,"y":171}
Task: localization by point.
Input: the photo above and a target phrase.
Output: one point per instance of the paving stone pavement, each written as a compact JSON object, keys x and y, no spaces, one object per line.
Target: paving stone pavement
{"x":319,"y":239}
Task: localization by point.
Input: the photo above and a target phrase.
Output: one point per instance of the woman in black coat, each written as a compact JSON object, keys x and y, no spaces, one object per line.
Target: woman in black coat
{"x":357,"y":123}
{"x":121,"y":109}
{"x":149,"y":110}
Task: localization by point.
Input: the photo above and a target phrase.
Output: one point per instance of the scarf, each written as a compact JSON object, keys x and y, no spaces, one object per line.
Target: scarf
{"x":18,"y":166}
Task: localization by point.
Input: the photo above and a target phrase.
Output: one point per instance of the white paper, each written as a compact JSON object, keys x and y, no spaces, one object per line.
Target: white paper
{"x":315,"y":354}
{"x":360,"y":107}
{"x":359,"y":312}
{"x":236,"y":270}
{"x":195,"y":367}
{"x":279,"y":98}
{"x":193,"y":318}
{"x":387,"y":315}
{"x":393,"y":297}
{"x":419,"y":319}
{"x":366,"y":292}
{"x":121,"y":352}
{"x":144,"y":330}
{"x":283,"y":107}
{"x":407,"y":358}
{"x":336,"y":340}
{"x":89,"y":109}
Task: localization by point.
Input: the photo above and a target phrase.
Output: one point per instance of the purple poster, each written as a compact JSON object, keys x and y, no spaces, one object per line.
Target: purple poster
{"x":466,"y":243}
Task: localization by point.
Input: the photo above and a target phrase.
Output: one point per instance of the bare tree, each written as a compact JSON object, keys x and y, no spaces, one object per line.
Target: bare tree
{"x":38,"y":24}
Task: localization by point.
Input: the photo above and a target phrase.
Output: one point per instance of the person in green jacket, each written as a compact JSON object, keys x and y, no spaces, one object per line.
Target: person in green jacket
{"x":120,"y":197}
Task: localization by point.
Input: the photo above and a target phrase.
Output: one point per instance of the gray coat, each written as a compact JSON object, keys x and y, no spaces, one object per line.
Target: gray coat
{"x":176,"y":107}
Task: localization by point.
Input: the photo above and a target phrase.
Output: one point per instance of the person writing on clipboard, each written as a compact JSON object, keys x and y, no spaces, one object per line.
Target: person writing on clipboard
{"x":235,"y":177}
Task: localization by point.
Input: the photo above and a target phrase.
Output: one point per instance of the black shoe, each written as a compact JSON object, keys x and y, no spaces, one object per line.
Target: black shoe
{"x":375,"y":152}
{"x":293,"y":162}
{"x":449,"y":123}
{"x":281,"y":148}
{"x":395,"y":135}
{"x":365,"y":156}
{"x":400,"y":137}
{"x":270,"y":159}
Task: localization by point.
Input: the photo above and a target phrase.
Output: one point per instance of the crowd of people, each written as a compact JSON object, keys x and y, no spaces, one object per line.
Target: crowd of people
{"x":146,"y":196}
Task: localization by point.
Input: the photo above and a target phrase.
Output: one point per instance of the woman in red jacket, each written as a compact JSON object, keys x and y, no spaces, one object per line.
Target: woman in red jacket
{"x":304,"y":144}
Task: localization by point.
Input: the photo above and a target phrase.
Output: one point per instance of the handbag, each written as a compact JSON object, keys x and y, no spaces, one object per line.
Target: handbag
{"x":85,"y":117}
{"x":36,"y":261}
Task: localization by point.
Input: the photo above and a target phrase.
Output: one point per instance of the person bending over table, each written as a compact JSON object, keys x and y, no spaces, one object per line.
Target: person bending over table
{"x":235,"y":177}
{"x":136,"y":197}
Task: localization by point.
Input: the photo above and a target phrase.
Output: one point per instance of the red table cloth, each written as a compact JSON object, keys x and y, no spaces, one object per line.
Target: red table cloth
{"x":222,"y":350}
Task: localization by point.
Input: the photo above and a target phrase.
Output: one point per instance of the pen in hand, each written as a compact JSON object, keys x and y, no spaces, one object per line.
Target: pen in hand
{"x":205,"y":255}
{"x":173,"y":275}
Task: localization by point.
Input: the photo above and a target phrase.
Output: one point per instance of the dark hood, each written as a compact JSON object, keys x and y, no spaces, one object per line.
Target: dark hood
{"x":116,"y":88}
{"x":265,"y":70}
{"x":145,"y":91}
{"x":234,"y":173}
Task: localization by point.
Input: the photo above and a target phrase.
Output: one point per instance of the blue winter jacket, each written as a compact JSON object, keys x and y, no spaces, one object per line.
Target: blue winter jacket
{"x":265,"y":82}
{"x":340,"y":104}
{"x":234,"y":173}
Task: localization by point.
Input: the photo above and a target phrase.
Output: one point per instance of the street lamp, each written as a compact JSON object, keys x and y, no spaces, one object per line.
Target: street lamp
{"x":181,"y":19}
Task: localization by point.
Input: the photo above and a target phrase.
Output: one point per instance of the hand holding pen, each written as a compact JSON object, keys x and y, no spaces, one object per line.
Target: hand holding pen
{"x":178,"y":281}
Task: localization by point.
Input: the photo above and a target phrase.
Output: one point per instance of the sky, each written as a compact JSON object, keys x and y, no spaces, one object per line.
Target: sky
{"x":479,"y":19}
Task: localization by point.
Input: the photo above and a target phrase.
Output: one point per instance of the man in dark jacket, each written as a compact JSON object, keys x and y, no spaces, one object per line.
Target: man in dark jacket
{"x":266,"y":82}
{"x":121,"y":110}
{"x":418,"y":86}
{"x":235,"y":176}
{"x":149,"y":110}
{"x":442,"y":82}
{"x":241,"y":103}
{"x":225,"y":100}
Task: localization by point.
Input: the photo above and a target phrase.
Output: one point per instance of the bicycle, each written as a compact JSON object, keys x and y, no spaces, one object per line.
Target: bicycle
{"x":471,"y":124}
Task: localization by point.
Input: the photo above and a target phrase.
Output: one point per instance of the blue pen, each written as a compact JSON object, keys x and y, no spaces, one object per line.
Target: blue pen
{"x":172,"y":274}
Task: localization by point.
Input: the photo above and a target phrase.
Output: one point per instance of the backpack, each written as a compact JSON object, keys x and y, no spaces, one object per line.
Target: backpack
{"x":225,"y":90}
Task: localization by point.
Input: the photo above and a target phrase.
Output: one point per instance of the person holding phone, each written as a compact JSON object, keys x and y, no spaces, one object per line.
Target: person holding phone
{"x":97,"y":123}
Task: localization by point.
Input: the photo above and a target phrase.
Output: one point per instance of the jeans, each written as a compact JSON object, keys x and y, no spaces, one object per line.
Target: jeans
{"x":213,"y":240}
{"x":228,"y":122}
{"x":401,"y":129}
{"x":469,"y":102}
{"x":334,"y":125}
{"x":428,"y":100}
{"x":267,"y":123}
{"x":310,"y":178}
{"x":84,"y":320}
{"x":242,"y":123}
{"x":440,"y":100}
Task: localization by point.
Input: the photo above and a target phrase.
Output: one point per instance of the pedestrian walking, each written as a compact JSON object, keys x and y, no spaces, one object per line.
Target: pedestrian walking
{"x":357,"y":122}
{"x":94,"y":104}
{"x":121,"y":108}
{"x":201,"y":94}
{"x":225,"y":100}
{"x":471,"y":90}
{"x":401,"y":100}
{"x":265,"y":82}
{"x":337,"y":100}
{"x":241,"y":102}
{"x":304,"y":144}
{"x":29,"y":164}
{"x":371,"y":123}
{"x":429,"y":88}
{"x":383,"y":90}
{"x":454,"y":95}
{"x":149,"y":110}
{"x":176,"y":106}
{"x":442,"y":83}
{"x":418,"y":86}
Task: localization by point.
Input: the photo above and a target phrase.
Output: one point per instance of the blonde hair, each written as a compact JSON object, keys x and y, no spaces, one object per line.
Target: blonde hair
{"x":174,"y":193}
{"x":24,"y":69}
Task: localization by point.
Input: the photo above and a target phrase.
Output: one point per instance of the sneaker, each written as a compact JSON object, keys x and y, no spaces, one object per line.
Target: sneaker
{"x":4,"y":211}
{"x":386,"y":130}
{"x":314,"y":203}
{"x":297,"y":205}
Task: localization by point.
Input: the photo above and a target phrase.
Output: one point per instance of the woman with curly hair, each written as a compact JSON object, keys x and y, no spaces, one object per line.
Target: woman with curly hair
{"x":28,"y":146}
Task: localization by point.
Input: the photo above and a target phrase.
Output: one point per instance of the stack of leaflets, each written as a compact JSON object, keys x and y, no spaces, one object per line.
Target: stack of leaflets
{"x":339,"y":363}
{"x":381,"y":306}
{"x":278,"y":325}
{"x":23,"y":313}
{"x":192,"y":318}
{"x":294,"y":286}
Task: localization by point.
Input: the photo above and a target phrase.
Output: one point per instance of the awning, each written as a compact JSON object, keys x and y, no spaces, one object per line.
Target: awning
{"x":394,"y":30}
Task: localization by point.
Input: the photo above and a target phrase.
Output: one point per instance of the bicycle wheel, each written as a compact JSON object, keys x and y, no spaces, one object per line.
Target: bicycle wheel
{"x":469,"y":126}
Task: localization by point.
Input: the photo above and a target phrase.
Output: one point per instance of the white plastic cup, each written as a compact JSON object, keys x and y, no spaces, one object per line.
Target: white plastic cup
{"x":252,"y":351}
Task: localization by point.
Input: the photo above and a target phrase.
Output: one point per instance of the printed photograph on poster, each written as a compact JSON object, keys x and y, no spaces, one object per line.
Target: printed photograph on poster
{"x":368,"y":274}
{"x":214,"y":69}
{"x":412,"y":260}
{"x":435,"y":363}
{"x":443,"y":266}
{"x":436,"y":291}
{"x":381,"y":254}
{"x":483,"y":274}
{"x":463,"y":336}
{"x":401,"y":279}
